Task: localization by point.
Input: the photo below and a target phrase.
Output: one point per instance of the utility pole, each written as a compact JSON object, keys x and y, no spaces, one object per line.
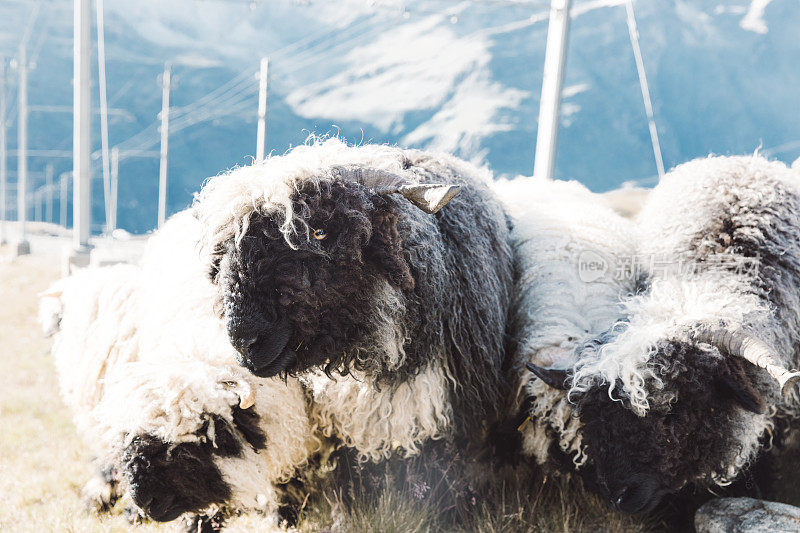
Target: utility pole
{"x":81,"y":136}
{"x":3,"y":168}
{"x":112,"y":225}
{"x":37,"y":205}
{"x":101,"y":79}
{"x":48,"y":193}
{"x":555,"y":58}
{"x":162,"y":170}
{"x":62,"y":199}
{"x":23,"y":246}
{"x":261,"y":136}
{"x":633,"y":33}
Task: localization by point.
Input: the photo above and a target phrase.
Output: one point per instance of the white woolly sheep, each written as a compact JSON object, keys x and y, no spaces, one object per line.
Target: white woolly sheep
{"x":689,"y":387}
{"x":145,"y":366}
{"x":574,"y":264}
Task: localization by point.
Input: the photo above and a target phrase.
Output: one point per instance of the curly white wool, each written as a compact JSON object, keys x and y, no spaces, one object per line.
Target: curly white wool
{"x":95,"y":331}
{"x":696,"y":278}
{"x":572,"y":254}
{"x":669,"y":310}
{"x":679,"y":254}
{"x":141,"y":351}
{"x":378,"y":423}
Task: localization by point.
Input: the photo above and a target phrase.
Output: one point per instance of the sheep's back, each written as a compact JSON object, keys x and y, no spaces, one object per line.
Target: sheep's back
{"x":97,"y":332}
{"x":735,"y":219}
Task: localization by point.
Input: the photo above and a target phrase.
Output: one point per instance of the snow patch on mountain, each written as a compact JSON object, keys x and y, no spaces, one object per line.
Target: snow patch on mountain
{"x":754,"y":18}
{"x":420,"y":66}
{"x":470,"y":115}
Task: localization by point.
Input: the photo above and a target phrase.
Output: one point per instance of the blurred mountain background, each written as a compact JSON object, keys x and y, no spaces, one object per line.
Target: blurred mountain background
{"x":458,"y":76}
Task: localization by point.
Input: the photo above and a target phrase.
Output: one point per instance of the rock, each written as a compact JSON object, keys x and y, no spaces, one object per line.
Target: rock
{"x":627,"y":201}
{"x":746,"y":515}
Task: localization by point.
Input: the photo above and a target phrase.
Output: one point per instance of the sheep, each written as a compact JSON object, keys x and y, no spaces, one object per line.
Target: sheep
{"x":147,"y":370}
{"x":686,"y":388}
{"x":185,"y":439}
{"x":573,"y":256}
{"x":335,"y":260}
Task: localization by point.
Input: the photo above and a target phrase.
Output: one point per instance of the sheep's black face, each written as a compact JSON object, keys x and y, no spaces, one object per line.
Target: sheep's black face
{"x":289,"y":309}
{"x":166,"y":480}
{"x":687,"y":437}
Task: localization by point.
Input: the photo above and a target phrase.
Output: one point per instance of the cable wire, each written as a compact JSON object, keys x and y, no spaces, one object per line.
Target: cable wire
{"x":648,"y":106}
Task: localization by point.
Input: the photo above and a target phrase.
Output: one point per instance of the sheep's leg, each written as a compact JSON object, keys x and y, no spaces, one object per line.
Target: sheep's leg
{"x":101,"y":492}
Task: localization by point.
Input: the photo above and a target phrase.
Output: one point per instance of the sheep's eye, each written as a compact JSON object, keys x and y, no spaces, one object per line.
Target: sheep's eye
{"x":320,"y":234}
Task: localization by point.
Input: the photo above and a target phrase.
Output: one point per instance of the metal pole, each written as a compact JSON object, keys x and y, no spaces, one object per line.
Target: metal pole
{"x":3,"y":168}
{"x":48,"y":193}
{"x":261,"y":136}
{"x":114,"y":188}
{"x":633,"y":33}
{"x":23,"y":247}
{"x":162,"y":170}
{"x":101,"y":79}
{"x":37,"y":205}
{"x":81,"y":139}
{"x":549,"y":106}
{"x":62,"y":199}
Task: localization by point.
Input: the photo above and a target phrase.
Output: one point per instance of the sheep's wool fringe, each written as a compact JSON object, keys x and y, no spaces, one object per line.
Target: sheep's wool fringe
{"x":571,"y":253}
{"x":227,"y":201}
{"x":669,"y":310}
{"x":379,"y":423}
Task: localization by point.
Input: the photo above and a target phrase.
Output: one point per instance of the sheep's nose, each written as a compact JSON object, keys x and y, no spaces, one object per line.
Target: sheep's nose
{"x":243,"y":343}
{"x":636,"y":497}
{"x":262,"y":346}
{"x":161,"y":506}
{"x":243,"y":333}
{"x":157,"y":498}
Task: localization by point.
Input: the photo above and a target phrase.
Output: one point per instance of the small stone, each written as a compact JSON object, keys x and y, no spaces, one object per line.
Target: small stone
{"x":746,"y":515}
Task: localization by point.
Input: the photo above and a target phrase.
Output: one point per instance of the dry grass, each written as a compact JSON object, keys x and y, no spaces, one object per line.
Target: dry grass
{"x":43,"y":463}
{"x":554,"y":505}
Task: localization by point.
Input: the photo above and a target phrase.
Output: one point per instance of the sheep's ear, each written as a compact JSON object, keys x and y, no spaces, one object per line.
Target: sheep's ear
{"x":385,"y":249}
{"x":555,"y":377}
{"x":734,"y":384}
{"x":430,"y":197}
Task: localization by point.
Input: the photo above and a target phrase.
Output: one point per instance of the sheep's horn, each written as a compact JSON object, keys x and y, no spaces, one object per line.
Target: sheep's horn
{"x":246,"y":394}
{"x":430,"y":197}
{"x":555,"y":377}
{"x":740,"y":344}
{"x":368,"y":176}
{"x":54,"y":291}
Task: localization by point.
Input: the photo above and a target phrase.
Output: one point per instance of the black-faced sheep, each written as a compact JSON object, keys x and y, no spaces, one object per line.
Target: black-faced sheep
{"x":146,"y":367}
{"x":573,"y":256}
{"x":330,"y":260}
{"x":689,"y":387}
